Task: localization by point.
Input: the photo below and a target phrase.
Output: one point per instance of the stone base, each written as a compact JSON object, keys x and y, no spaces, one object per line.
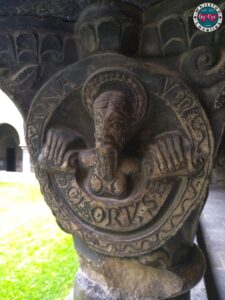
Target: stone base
{"x":125,"y":279}
{"x":86,"y":289}
{"x":186,"y":296}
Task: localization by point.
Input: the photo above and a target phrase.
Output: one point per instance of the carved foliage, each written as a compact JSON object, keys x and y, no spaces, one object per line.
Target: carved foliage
{"x":26,"y":52}
{"x":175,"y":34}
{"x":108,"y":28}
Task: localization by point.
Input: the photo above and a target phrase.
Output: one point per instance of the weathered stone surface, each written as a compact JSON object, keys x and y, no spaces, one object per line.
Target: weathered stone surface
{"x":115,"y":278}
{"x":198,"y":293}
{"x":124,"y":117}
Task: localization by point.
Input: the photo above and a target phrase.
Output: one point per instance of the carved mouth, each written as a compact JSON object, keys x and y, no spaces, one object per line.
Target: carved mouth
{"x":109,"y":141}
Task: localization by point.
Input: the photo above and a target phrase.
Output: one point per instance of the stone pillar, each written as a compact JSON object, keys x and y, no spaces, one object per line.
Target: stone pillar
{"x":123,"y":104}
{"x":25,"y":160}
{"x":182,"y":297}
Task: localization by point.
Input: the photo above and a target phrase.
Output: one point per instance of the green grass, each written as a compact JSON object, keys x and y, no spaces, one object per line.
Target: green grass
{"x":18,"y":193}
{"x":37,"y":259}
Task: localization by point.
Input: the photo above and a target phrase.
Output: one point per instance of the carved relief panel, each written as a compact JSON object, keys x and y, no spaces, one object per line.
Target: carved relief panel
{"x":124,"y":110}
{"x":118,"y":171}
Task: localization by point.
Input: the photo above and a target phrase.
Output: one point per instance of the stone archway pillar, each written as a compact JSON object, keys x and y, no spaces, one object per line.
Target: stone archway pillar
{"x":26,"y":168}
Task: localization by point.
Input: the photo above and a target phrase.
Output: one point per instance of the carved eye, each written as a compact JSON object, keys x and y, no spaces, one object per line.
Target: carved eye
{"x":97,"y":121}
{"x":116,"y":126}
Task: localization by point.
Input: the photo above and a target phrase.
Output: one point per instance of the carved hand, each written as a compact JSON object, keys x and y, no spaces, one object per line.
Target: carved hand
{"x":61,"y":149}
{"x":166,"y":155}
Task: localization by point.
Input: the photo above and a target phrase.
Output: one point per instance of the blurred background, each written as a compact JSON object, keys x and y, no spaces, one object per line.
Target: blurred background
{"x":38,"y":260}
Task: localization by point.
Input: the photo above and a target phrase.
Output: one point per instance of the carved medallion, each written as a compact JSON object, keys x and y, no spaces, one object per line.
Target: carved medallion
{"x":124,"y":152}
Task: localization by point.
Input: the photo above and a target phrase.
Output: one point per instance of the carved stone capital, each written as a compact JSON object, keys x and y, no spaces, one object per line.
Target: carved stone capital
{"x":123,"y":104}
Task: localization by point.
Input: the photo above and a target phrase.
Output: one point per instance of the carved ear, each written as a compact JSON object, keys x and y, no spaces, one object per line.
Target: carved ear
{"x":31,"y":51}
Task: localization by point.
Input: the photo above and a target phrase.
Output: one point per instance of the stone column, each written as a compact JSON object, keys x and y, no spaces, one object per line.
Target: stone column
{"x":25,"y":160}
{"x":123,"y":103}
{"x":131,"y":181}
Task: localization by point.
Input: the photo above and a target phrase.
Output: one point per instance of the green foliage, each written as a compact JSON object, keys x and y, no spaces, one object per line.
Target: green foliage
{"x":37,"y":259}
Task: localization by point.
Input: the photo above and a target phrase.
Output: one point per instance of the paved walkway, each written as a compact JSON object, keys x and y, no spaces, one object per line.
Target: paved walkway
{"x":199,"y":292}
{"x":17,"y":177}
{"x":213,"y":236}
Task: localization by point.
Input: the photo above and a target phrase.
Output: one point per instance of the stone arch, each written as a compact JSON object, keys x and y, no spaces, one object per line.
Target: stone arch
{"x":12,"y":139}
{"x":10,"y":152}
{"x":10,"y":114}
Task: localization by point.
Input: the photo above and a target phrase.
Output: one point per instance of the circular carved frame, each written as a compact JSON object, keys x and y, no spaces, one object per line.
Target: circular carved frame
{"x":62,"y":191}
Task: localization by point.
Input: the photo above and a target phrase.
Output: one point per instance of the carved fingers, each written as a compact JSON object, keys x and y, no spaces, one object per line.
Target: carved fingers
{"x":168,"y":153}
{"x":58,"y":150}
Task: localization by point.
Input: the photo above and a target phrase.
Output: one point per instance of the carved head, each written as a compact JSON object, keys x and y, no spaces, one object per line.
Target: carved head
{"x":111,"y":114}
{"x":117,"y":102}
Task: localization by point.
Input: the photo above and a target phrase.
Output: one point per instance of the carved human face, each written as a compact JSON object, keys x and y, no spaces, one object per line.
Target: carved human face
{"x":110,"y":116}
{"x":110,"y":119}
